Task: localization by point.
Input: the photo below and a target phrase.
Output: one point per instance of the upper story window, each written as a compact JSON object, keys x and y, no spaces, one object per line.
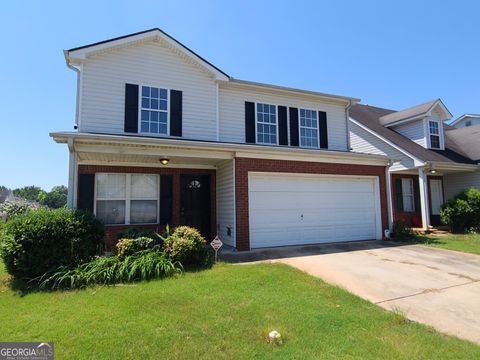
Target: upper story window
{"x":127,"y":198}
{"x":468,"y":123}
{"x":266,"y":124}
{"x":308,"y":128}
{"x":154,"y":110}
{"x":434,"y":134}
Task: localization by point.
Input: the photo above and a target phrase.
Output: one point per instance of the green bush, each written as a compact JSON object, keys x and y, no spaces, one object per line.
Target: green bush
{"x":42,"y":240}
{"x":127,"y":247}
{"x":144,"y":265}
{"x":188,"y":247}
{"x":462,"y":212}
{"x":401,"y":231}
{"x":134,"y":233}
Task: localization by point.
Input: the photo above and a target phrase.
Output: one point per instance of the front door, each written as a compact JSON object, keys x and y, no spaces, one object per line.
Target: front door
{"x":195,"y":203}
{"x":436,"y":200}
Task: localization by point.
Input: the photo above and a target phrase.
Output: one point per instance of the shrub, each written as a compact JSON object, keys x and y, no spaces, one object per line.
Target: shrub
{"x":188,"y":247}
{"x":42,"y":240}
{"x":126,"y":247}
{"x":144,"y":265}
{"x":9,"y":209}
{"x":134,"y":233}
{"x":462,"y":212}
{"x":401,"y":231}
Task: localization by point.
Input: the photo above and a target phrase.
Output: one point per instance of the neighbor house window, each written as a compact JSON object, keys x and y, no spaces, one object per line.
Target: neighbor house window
{"x":308,"y":128}
{"x":127,"y":198}
{"x":434,"y":134}
{"x":154,"y":110}
{"x":407,"y":195}
{"x":266,"y":124}
{"x":468,"y":123}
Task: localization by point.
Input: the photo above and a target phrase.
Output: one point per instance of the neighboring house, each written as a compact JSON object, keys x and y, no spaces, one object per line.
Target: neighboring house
{"x":431,"y":161}
{"x":466,"y":120}
{"x":165,"y":137}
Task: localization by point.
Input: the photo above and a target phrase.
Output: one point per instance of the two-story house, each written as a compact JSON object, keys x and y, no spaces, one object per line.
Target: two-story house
{"x":430,"y":160}
{"x":162,"y":136}
{"x":466,"y":120}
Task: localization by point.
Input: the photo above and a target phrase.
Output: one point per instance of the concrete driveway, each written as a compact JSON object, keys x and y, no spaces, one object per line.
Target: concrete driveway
{"x":436,"y":287}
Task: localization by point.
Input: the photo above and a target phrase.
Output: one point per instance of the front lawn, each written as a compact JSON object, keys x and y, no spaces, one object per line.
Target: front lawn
{"x":467,"y":243}
{"x":222,"y":313}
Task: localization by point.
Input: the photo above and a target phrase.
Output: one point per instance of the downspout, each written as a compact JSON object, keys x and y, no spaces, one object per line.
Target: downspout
{"x":347,"y":117}
{"x":388,"y":180}
{"x":70,"y":66}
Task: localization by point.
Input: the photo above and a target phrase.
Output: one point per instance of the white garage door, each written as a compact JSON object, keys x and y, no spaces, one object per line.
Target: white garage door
{"x":293,"y":209}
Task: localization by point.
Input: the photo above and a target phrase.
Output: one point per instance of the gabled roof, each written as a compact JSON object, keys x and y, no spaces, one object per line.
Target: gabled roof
{"x":465,"y":140}
{"x":463,"y":117}
{"x":369,"y":116}
{"x":414,"y":112}
{"x":81,"y":52}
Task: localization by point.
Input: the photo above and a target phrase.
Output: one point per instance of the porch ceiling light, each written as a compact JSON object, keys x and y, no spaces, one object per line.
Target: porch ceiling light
{"x":432,"y":170}
{"x":164,"y":161}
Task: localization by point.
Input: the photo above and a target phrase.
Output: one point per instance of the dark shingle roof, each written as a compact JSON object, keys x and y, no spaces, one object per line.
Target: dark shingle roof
{"x":369,"y":116}
{"x":464,"y":140}
{"x":411,"y":112}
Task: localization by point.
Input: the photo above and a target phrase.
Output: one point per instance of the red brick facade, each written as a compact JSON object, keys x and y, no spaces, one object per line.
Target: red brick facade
{"x":113,"y":230}
{"x":244,"y":165}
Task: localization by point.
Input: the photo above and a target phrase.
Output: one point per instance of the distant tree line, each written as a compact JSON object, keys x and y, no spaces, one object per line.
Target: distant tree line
{"x":55,"y":198}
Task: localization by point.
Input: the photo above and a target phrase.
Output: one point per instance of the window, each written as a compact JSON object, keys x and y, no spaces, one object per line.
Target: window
{"x":308,"y":128}
{"x":127,"y":198}
{"x":434,"y":134}
{"x":407,"y":195}
{"x":468,"y":123}
{"x":266,"y":124}
{"x":154,"y":110}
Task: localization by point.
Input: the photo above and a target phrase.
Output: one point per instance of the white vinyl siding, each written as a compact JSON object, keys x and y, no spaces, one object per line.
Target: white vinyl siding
{"x":456,"y":183}
{"x":414,"y":130}
{"x":226,"y":202}
{"x":364,"y":142}
{"x":294,"y":209}
{"x":473,"y":121}
{"x":232,"y":112}
{"x":150,"y":63}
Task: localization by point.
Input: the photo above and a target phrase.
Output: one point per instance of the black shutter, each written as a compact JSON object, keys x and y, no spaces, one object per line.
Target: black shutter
{"x":86,"y":191}
{"x":282,"y":125}
{"x":175,"y":113}
{"x":131,"y":108}
{"x":249,"y":122}
{"x":166,"y":199}
{"x":293,"y":126}
{"x":416,"y":194}
{"x":399,"y":194}
{"x":322,"y":123}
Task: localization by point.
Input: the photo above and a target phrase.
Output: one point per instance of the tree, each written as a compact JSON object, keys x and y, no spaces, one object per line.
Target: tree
{"x":56,"y":198}
{"x":32,"y":193}
{"x":4,"y":189}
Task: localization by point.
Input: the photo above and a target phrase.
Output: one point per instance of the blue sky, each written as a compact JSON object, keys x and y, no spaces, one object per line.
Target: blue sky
{"x":393,"y":55}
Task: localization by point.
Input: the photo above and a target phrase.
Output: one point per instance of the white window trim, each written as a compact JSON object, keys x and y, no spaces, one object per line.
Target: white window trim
{"x":440,"y":135}
{"x":127,"y":199}
{"x":140,"y":109}
{"x":276,"y":123}
{"x":300,"y":126}
{"x":412,"y":195}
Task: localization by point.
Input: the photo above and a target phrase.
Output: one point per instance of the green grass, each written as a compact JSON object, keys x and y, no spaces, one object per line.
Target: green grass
{"x":469,"y":243}
{"x":222,"y":313}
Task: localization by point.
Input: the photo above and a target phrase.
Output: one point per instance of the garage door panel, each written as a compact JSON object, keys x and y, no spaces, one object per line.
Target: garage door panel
{"x":308,"y":209}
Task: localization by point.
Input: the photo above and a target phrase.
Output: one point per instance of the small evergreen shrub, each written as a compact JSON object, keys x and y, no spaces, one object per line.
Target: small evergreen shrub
{"x":188,"y":247}
{"x":144,"y":265}
{"x":462,"y":212}
{"x":39,"y":241}
{"x":126,"y":247}
{"x":401,"y":231}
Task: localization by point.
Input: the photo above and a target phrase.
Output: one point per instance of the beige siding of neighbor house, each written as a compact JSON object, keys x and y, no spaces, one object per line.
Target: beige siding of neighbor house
{"x":150,"y":63}
{"x":414,"y":130}
{"x":364,"y":142}
{"x":232,"y":112}
{"x":226,"y":202}
{"x":456,"y":183}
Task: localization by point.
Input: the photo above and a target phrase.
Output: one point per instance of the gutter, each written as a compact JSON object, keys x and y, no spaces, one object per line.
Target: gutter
{"x":347,"y":117}
{"x":77,"y":105}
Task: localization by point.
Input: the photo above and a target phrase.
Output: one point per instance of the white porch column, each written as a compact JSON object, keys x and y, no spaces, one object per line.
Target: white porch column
{"x":423,"y":186}
{"x":72,"y":177}
{"x":388,"y":178}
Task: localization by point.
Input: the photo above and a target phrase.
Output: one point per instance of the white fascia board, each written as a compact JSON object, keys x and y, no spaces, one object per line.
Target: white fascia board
{"x":90,"y":142}
{"x":417,"y":161}
{"x":453,"y":166}
{"x":78,"y":56}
